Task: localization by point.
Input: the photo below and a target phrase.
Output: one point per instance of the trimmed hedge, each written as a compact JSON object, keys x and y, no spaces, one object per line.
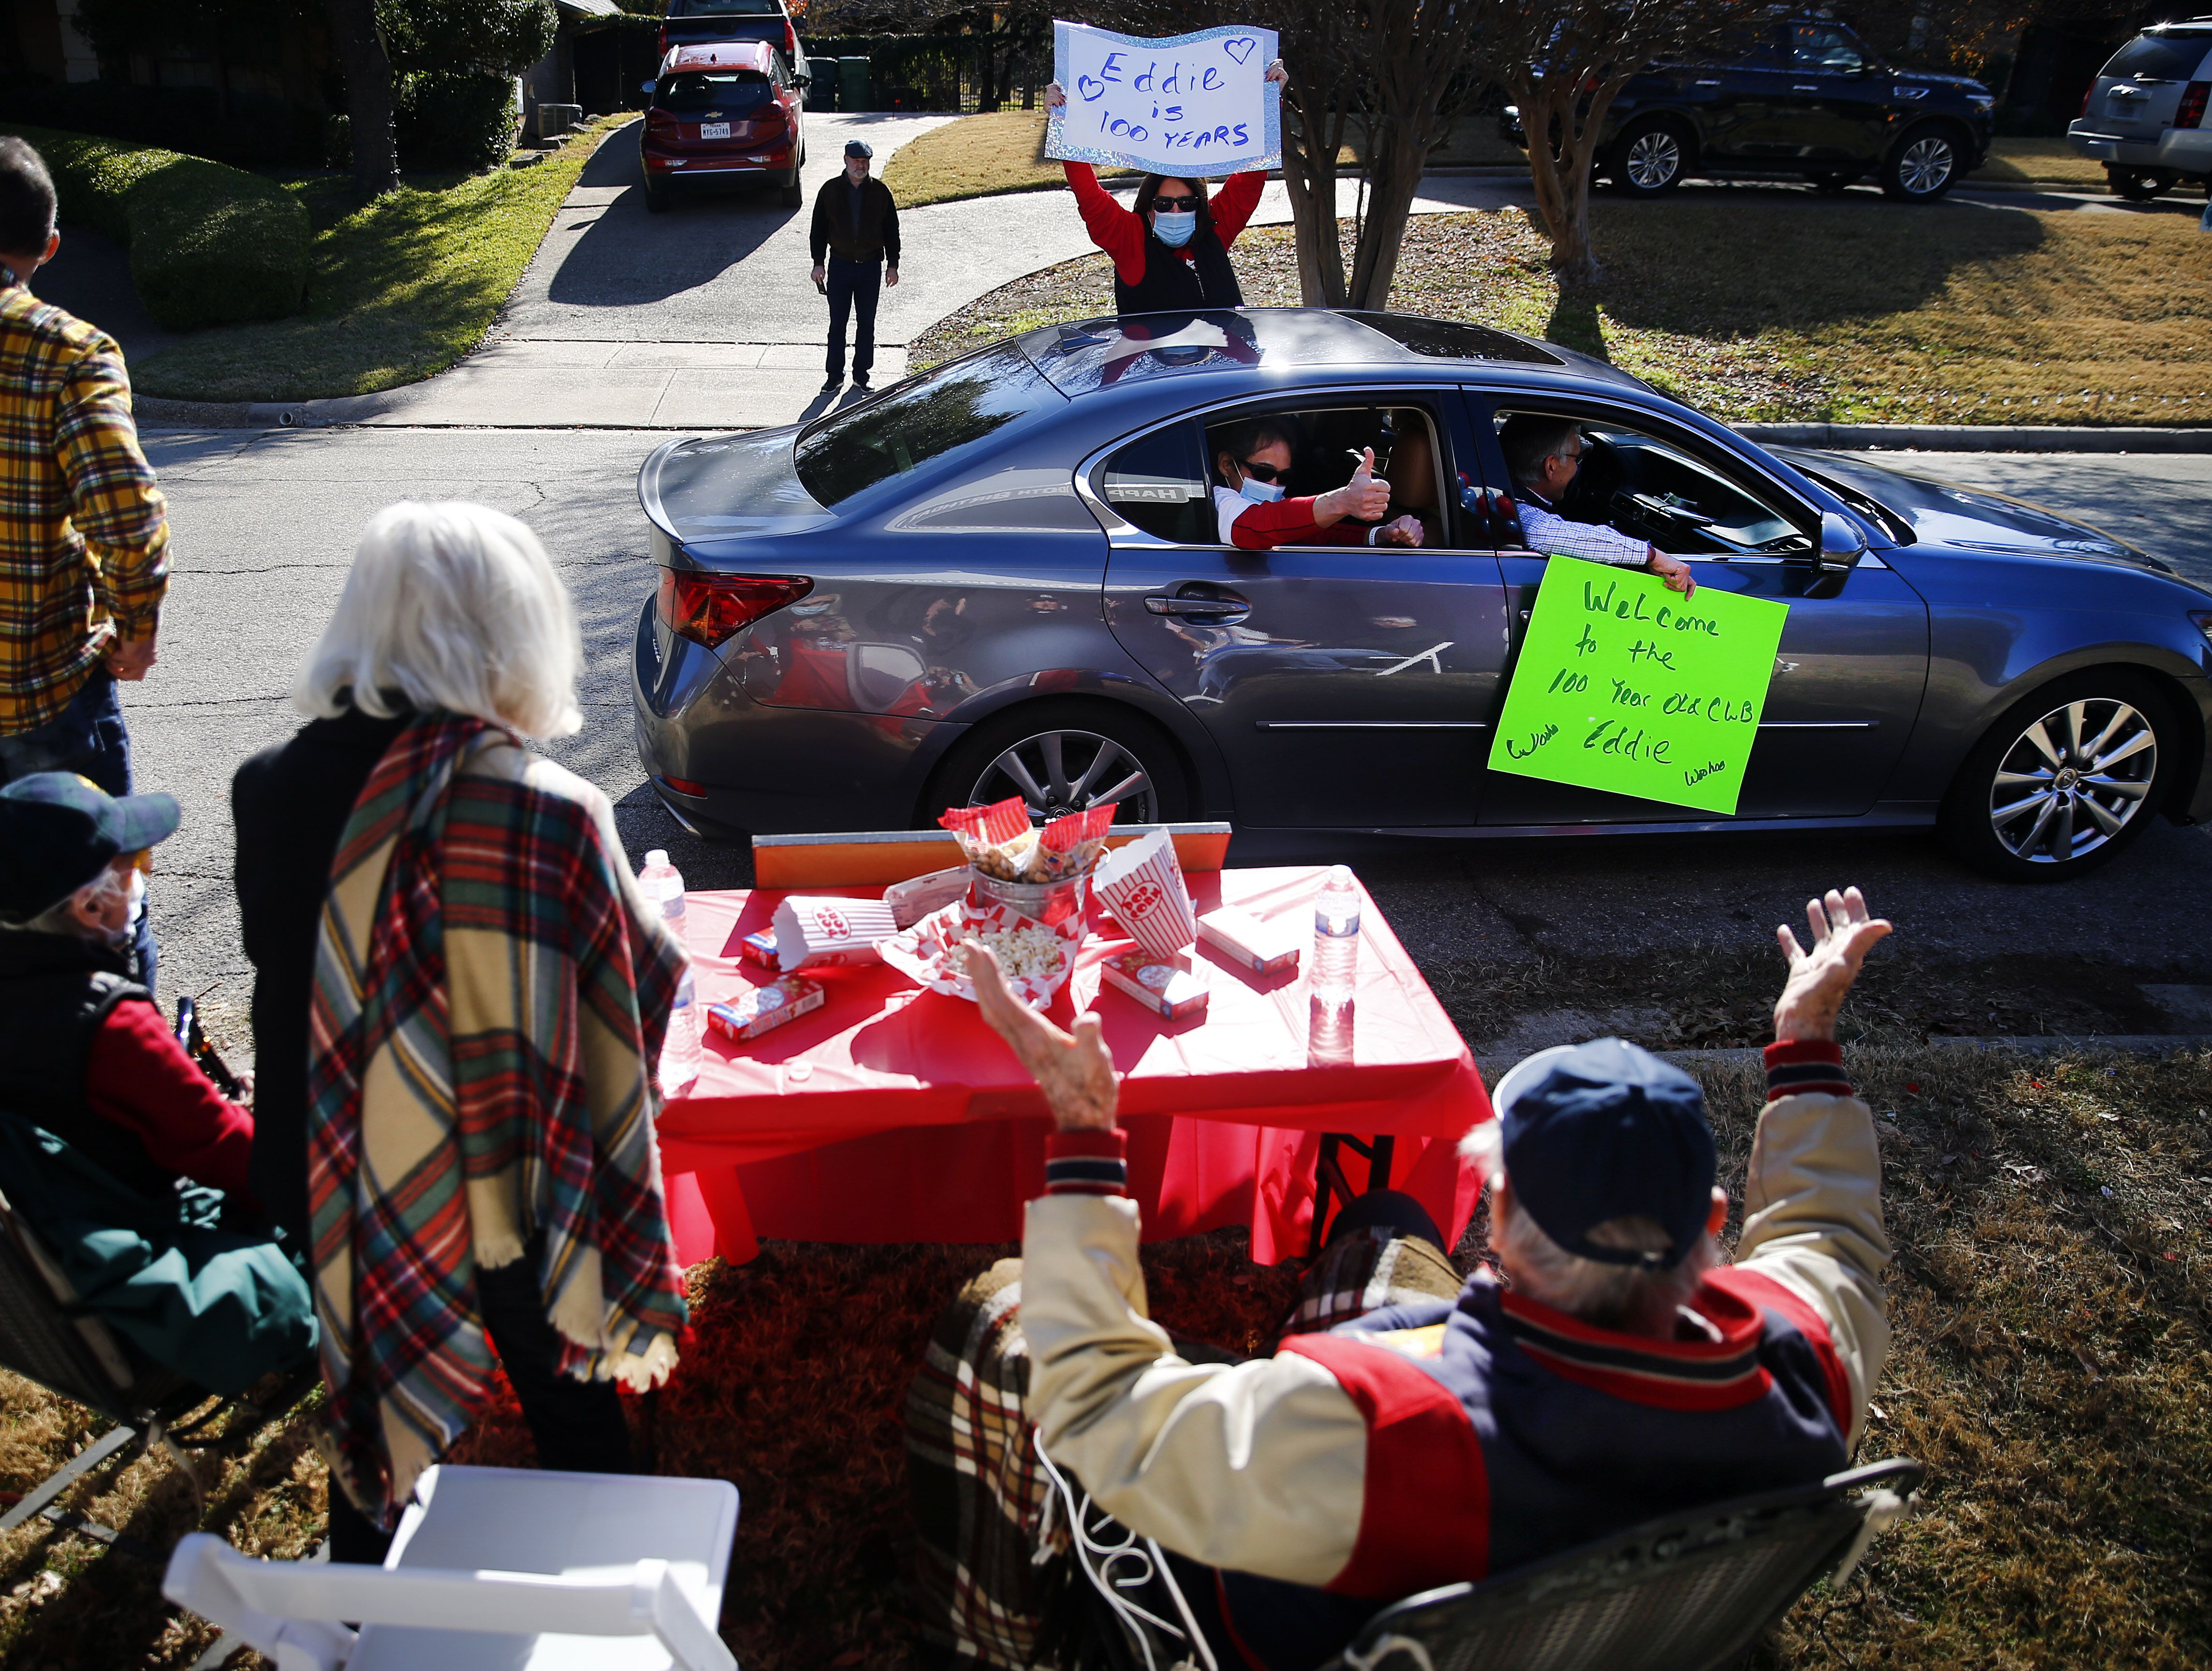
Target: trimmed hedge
{"x":209,"y":244}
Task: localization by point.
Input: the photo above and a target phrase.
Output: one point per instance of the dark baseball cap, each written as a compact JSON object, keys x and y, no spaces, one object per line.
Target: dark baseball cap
{"x":59,"y":831}
{"x":859,"y":148}
{"x":1605,"y":1130}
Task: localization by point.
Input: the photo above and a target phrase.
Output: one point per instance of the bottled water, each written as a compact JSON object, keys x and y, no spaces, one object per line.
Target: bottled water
{"x":662,"y":883}
{"x":1336,"y":939}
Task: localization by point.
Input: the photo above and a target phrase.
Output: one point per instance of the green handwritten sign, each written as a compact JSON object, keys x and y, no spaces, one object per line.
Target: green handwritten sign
{"x":1623,"y":686}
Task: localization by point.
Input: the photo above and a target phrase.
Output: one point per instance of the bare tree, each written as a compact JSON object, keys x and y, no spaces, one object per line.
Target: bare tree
{"x":1563,"y":62}
{"x":1389,"y":75}
{"x":368,"y":72}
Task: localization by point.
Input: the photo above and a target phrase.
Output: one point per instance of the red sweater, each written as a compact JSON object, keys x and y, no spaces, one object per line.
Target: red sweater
{"x":1119,"y":232}
{"x":141,"y":1078}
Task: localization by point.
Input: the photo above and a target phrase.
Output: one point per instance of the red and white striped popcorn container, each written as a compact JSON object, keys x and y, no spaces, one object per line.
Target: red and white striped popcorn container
{"x":1142,"y":884}
{"x":817,"y":932}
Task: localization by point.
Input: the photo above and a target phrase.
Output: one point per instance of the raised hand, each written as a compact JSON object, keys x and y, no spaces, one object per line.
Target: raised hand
{"x":1276,"y":72}
{"x":1054,"y":96}
{"x":1075,"y":1070}
{"x":1842,"y":932}
{"x":1364,"y":497}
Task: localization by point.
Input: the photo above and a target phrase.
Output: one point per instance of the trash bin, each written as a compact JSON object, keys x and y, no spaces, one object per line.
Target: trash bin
{"x":852,"y":91}
{"x":821,"y":88}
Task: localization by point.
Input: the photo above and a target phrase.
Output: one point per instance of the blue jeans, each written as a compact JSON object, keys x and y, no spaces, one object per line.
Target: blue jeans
{"x":854,"y":287}
{"x":87,"y":737}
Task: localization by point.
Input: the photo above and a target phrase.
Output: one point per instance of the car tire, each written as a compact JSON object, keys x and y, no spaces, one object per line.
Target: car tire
{"x":2138,"y":185}
{"x":1831,"y":182}
{"x":1652,"y":157}
{"x":1087,"y":732}
{"x":1921,"y":166}
{"x":2012,"y":805}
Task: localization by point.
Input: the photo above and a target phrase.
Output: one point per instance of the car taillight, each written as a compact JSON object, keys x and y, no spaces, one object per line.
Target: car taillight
{"x":2191,"y":114}
{"x":767,"y":120}
{"x":664,"y":41}
{"x":708,"y":608}
{"x":2088,"y":93}
{"x":658,"y":126}
{"x":790,"y":41}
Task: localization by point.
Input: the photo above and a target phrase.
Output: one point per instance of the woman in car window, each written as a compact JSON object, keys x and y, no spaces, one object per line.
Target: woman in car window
{"x":1251,"y":460}
{"x":1171,"y":249}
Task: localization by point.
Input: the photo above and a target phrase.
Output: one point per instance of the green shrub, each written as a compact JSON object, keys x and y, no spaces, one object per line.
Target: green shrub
{"x":453,"y":119}
{"x":209,"y":244}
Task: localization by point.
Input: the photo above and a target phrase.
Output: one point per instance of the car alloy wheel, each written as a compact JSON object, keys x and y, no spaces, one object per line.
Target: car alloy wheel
{"x":2074,"y":779}
{"x":1923,"y":169}
{"x":1652,"y":161}
{"x":1061,"y":771}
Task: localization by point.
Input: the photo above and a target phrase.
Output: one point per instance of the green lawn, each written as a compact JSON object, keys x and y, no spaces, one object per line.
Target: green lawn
{"x":1853,"y":310}
{"x":400,"y":288}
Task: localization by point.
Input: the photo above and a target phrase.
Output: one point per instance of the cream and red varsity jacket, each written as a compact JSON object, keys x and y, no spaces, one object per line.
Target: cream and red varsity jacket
{"x":1426,"y":1445}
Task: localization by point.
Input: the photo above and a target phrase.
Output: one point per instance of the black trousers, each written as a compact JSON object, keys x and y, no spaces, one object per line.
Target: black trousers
{"x":577,"y":1426}
{"x":853,"y":287}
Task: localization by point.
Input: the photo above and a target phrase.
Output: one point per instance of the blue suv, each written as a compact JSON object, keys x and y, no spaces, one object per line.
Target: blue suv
{"x":1797,"y":98}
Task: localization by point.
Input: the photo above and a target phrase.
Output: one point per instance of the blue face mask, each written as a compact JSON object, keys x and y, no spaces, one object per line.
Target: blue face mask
{"x":1174,"y":230}
{"x":1259,"y":492}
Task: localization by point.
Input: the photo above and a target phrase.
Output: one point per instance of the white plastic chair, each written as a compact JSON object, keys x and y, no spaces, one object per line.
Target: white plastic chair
{"x":494,"y":1570}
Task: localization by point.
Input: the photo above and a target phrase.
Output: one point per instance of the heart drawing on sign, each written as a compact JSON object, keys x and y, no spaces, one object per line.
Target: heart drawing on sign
{"x":1089,"y":87}
{"x":1239,"y":47}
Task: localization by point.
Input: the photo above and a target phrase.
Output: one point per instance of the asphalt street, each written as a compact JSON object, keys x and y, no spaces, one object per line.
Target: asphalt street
{"x":264,"y":524}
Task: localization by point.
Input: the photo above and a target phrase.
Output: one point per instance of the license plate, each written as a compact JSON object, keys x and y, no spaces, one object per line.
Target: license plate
{"x":714,"y":130}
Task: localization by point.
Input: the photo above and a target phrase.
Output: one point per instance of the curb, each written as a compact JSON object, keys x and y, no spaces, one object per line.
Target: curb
{"x":2032,"y":1045}
{"x":1979,"y":437}
{"x":155,"y":413}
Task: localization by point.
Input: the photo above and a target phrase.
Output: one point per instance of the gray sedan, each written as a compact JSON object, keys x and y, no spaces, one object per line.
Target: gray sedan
{"x":1008,"y":576}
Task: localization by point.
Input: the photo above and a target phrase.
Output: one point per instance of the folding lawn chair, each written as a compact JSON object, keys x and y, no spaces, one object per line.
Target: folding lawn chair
{"x":48,"y":1336}
{"x":505,"y":1568}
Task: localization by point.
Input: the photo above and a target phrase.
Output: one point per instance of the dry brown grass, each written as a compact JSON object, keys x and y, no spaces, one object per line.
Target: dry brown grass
{"x":978,"y":157}
{"x":1853,"y":311}
{"x":2052,"y":161}
{"x":2050,"y":1297}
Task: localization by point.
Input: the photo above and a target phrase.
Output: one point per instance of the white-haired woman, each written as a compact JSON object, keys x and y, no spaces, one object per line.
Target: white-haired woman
{"x":459,"y":992}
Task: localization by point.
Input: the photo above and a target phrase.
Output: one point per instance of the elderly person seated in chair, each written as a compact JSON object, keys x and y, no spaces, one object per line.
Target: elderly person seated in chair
{"x":105,"y":1122}
{"x":1620,"y":1370}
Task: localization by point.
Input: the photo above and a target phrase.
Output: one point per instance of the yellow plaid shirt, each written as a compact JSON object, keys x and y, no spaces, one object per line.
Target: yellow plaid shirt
{"x":84,"y":532}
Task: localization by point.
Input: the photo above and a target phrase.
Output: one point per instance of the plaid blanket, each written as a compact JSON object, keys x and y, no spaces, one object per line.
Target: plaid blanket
{"x":491,"y":991}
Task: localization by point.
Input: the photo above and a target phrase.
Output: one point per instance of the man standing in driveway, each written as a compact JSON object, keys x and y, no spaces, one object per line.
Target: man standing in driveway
{"x":856,"y":223}
{"x":84,"y":532}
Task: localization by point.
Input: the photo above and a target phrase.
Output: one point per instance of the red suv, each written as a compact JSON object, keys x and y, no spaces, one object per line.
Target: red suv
{"x":725,"y":111}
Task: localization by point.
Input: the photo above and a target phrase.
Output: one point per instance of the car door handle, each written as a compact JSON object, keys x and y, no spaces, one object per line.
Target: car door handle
{"x":1804,"y":89}
{"x":1200,"y":609}
{"x":1710,"y":81}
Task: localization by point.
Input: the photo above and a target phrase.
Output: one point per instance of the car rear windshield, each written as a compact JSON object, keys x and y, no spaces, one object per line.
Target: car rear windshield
{"x":932,"y":416}
{"x":725,"y":7}
{"x":1440,"y":339}
{"x":2162,"y":58}
{"x":693,"y":93}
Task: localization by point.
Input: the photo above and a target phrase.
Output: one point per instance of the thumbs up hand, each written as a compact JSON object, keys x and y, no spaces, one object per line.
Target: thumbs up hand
{"x":1371,"y":495}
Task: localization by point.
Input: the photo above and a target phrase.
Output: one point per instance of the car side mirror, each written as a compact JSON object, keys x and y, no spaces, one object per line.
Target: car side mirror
{"x":1841,"y":544}
{"x":645,"y":86}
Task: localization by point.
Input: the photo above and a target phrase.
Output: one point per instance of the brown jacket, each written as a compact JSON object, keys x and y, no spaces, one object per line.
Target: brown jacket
{"x":878,"y":238}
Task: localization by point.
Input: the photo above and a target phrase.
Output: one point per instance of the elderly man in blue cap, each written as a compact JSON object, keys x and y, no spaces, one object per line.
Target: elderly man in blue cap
{"x":1619,"y":1371}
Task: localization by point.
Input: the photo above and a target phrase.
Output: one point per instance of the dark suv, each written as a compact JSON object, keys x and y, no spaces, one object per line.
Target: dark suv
{"x":1800,"y":98}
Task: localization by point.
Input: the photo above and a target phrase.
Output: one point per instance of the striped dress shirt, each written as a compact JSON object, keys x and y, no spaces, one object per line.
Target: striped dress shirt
{"x":1554,"y":535}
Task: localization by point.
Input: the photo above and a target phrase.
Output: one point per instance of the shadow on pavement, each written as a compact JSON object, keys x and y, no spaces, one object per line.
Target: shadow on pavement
{"x":621,"y":256}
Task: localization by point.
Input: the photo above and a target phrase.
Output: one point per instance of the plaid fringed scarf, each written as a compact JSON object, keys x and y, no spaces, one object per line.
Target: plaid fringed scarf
{"x":489,"y":998}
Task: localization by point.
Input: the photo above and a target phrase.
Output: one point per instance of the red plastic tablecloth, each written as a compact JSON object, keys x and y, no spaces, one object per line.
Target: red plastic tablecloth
{"x":894,"y":1115}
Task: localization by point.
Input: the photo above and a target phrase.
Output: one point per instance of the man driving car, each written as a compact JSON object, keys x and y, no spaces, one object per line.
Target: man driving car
{"x":1543,"y":455}
{"x":1250,"y":461}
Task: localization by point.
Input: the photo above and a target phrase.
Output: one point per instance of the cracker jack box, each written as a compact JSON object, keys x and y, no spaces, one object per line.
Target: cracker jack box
{"x":1165,"y":987}
{"x":759,"y":1009}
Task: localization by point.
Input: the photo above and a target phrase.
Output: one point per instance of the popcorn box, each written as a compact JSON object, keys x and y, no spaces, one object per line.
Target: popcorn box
{"x":759,"y":948}
{"x":1142,"y":884}
{"x":757,"y":1010}
{"x":1167,"y":988}
{"x":830,"y":933}
{"x":1263,"y":947}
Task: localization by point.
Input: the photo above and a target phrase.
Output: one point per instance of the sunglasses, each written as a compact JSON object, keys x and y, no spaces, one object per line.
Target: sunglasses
{"x":1177,"y":205}
{"x":1261,"y":472}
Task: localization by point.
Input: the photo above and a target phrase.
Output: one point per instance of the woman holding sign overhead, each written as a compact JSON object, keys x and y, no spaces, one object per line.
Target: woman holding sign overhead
{"x":1170,"y":248}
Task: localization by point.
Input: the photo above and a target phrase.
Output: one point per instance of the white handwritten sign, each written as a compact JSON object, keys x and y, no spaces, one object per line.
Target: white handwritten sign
{"x":1185,"y":105}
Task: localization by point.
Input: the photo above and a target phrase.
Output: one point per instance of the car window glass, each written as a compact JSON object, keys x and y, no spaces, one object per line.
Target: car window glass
{"x":934,"y":416}
{"x":1667,"y":495}
{"x":2164,"y":58}
{"x":1158,"y":482}
{"x":1444,"y":339}
{"x":725,"y":7}
{"x":696,"y":94}
{"x":1328,"y":443}
{"x":1823,"y":46}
